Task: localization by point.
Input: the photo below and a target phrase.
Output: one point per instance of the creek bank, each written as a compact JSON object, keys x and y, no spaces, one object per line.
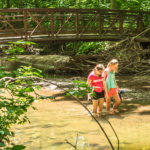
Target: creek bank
{"x":56,"y":64}
{"x":83,"y":64}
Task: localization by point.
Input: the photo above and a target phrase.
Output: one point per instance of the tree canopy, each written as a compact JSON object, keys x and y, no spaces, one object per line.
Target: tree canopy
{"x":103,"y":4}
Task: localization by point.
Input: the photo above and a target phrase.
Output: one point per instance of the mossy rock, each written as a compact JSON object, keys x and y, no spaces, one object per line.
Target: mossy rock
{"x":45,"y":62}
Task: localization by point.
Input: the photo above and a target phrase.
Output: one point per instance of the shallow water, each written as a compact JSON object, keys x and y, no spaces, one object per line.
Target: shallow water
{"x":62,"y":119}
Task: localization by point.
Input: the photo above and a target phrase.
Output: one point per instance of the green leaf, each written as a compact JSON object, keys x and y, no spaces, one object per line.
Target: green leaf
{"x":21,"y":42}
{"x":47,"y":97}
{"x":18,"y":147}
{"x":29,"y":89}
{"x":2,"y":132}
{"x":2,"y":144}
{"x":20,"y":49}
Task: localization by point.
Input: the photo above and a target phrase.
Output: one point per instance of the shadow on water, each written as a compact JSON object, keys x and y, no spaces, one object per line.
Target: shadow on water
{"x":131,"y":100}
{"x":144,"y":112}
{"x":137,"y":93}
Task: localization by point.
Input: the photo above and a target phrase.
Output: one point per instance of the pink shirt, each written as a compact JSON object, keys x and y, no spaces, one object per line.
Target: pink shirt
{"x":96,"y":82}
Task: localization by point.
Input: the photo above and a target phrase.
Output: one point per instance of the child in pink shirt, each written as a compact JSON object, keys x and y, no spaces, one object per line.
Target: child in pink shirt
{"x":96,"y":81}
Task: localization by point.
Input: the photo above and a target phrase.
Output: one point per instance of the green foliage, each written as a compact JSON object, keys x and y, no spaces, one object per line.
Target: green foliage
{"x":28,"y":71}
{"x":16,"y":147}
{"x":3,"y":73}
{"x":133,"y":4}
{"x":15,"y":102}
{"x":16,"y":48}
{"x":15,"y":96}
{"x":89,"y":48}
{"x":47,"y":97}
{"x":80,"y":89}
{"x":103,"y":4}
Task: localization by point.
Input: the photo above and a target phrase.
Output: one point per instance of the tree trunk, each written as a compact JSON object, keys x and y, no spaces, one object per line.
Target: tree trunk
{"x":98,"y":3}
{"x":112,"y":4}
{"x":36,"y":4}
{"x":8,"y":3}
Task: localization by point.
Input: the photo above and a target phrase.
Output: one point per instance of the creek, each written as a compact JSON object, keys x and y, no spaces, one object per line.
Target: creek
{"x":54,"y":121}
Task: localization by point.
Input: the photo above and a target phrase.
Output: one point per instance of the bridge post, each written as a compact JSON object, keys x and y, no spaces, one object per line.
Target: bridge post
{"x":25,"y":25}
{"x":77,"y":24}
{"x":121,"y":22}
{"x":100,"y":23}
{"x":140,"y":23}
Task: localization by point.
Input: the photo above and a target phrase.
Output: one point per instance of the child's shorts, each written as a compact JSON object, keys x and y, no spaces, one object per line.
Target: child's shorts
{"x":98,"y":95}
{"x":112,"y":92}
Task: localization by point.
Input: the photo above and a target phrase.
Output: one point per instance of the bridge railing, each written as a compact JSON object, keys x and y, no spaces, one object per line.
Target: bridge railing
{"x":70,"y":23}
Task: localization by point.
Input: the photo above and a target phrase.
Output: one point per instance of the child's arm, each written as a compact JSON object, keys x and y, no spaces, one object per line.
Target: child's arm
{"x":118,"y":89}
{"x":105,"y":88}
{"x":104,"y":75}
{"x":89,"y":84}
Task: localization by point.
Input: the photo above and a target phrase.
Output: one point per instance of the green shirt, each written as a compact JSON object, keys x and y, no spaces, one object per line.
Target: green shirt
{"x":110,"y":80}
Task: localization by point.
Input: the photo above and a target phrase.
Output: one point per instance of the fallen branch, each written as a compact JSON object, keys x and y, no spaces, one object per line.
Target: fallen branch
{"x":141,"y":33}
{"x":74,"y":146}
{"x":70,"y":143}
{"x":128,"y":38}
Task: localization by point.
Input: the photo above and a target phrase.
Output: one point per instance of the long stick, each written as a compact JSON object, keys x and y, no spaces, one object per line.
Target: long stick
{"x":113,"y":131}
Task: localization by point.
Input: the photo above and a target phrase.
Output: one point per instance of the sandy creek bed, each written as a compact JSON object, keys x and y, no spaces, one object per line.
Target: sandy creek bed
{"x":62,"y":118}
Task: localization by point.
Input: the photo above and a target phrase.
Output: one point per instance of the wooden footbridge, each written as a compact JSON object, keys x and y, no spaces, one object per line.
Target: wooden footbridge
{"x":45,"y":25}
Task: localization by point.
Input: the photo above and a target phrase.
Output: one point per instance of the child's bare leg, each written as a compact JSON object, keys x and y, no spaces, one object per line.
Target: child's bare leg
{"x":117,"y":101}
{"x":101,"y":102}
{"x":95,"y":104}
{"x":108,"y":104}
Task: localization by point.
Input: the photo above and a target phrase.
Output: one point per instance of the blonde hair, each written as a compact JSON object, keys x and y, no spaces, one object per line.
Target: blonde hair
{"x":112,"y":62}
